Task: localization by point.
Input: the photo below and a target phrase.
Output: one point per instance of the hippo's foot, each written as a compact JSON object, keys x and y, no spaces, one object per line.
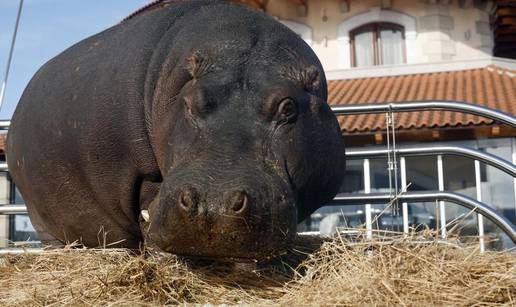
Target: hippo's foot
{"x":48,"y":241}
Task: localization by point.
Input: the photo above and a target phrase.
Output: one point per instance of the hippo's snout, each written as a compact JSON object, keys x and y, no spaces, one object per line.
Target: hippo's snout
{"x":224,"y":220}
{"x":234,"y":202}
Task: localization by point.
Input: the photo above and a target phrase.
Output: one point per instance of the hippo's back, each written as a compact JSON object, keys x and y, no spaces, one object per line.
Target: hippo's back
{"x":78,"y":138}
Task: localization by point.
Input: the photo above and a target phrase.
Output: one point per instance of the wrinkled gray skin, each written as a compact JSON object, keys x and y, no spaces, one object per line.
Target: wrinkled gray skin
{"x":211,"y":116}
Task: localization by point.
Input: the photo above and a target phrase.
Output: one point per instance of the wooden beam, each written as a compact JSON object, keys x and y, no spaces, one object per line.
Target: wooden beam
{"x":506,"y":11}
{"x":508,"y":38}
{"x":504,"y":30}
{"x":505,"y":2}
{"x":506,"y":21}
{"x":378,"y":138}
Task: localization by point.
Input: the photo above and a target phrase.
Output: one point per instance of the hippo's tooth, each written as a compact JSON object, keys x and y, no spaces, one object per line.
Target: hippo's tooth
{"x":145,"y":215}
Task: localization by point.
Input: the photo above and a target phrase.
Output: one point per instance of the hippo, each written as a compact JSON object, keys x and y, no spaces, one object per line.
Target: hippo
{"x":198,"y":127}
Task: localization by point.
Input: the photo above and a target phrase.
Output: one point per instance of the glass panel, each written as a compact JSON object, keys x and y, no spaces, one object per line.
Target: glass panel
{"x":21,"y":228}
{"x":391,"y":46}
{"x":382,"y":215}
{"x":459,"y":176}
{"x":495,"y":238}
{"x":497,"y":190}
{"x":18,"y":199}
{"x":354,"y":180}
{"x":497,"y":186}
{"x":422,"y":216}
{"x":327,"y":219}
{"x":422,"y":173}
{"x":422,"y":176}
{"x":379,"y":175}
{"x":364,"y":49}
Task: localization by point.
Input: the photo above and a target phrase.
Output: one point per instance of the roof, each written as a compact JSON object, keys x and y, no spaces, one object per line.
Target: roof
{"x":490,"y":86}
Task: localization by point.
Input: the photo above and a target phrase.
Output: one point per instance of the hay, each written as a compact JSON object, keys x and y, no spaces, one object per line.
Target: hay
{"x":394,"y":271}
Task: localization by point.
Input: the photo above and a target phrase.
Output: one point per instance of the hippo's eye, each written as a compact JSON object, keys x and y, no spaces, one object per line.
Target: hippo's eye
{"x":198,"y":105}
{"x":287,"y":111}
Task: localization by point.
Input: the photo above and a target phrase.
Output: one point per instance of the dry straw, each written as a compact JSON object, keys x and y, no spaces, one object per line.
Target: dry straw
{"x":388,"y":271}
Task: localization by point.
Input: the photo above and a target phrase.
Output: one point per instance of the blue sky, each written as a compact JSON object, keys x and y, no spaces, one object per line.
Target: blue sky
{"x":48,"y":27}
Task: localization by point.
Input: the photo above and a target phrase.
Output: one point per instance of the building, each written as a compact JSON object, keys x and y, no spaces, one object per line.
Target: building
{"x":398,"y":51}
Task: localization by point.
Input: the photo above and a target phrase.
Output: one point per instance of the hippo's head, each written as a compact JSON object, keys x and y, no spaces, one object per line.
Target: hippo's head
{"x":244,"y":137}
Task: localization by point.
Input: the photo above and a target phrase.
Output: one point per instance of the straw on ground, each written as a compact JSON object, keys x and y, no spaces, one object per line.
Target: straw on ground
{"x":387,"y":272}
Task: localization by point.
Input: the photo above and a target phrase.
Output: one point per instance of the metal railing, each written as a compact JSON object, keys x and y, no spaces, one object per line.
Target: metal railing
{"x":13,"y":209}
{"x":390,"y":108}
{"x":475,"y":154}
{"x":4,"y":124}
{"x":459,"y":199}
{"x":457,"y":106}
{"x":20,"y":250}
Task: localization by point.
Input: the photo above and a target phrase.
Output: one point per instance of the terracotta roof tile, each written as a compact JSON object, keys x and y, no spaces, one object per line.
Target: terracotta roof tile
{"x":491,"y":86}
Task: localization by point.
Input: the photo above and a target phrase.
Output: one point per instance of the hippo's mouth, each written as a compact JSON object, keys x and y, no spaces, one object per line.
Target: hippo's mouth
{"x":226,"y":216}
{"x":225,"y":239}
{"x":246,"y":249}
{"x":220,"y":251}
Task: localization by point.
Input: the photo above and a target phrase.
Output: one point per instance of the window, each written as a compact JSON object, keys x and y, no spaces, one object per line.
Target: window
{"x":378,"y":15}
{"x":20,"y":226}
{"x":377,"y":44}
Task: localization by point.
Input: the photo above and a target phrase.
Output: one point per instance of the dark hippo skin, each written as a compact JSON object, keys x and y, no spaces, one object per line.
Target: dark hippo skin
{"x":210,"y":115}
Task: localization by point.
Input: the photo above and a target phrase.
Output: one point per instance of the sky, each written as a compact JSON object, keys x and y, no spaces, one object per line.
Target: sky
{"x":47,"y":27}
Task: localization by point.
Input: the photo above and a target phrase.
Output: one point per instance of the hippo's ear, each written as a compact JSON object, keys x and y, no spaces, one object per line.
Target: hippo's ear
{"x":197,"y":65}
{"x":309,"y":77}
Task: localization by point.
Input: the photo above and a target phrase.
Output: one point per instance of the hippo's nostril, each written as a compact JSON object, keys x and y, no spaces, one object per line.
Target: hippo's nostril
{"x":239,"y":202}
{"x":187,"y":199}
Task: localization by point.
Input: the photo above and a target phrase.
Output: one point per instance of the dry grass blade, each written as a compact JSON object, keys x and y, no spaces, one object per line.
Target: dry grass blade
{"x":388,"y":272}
